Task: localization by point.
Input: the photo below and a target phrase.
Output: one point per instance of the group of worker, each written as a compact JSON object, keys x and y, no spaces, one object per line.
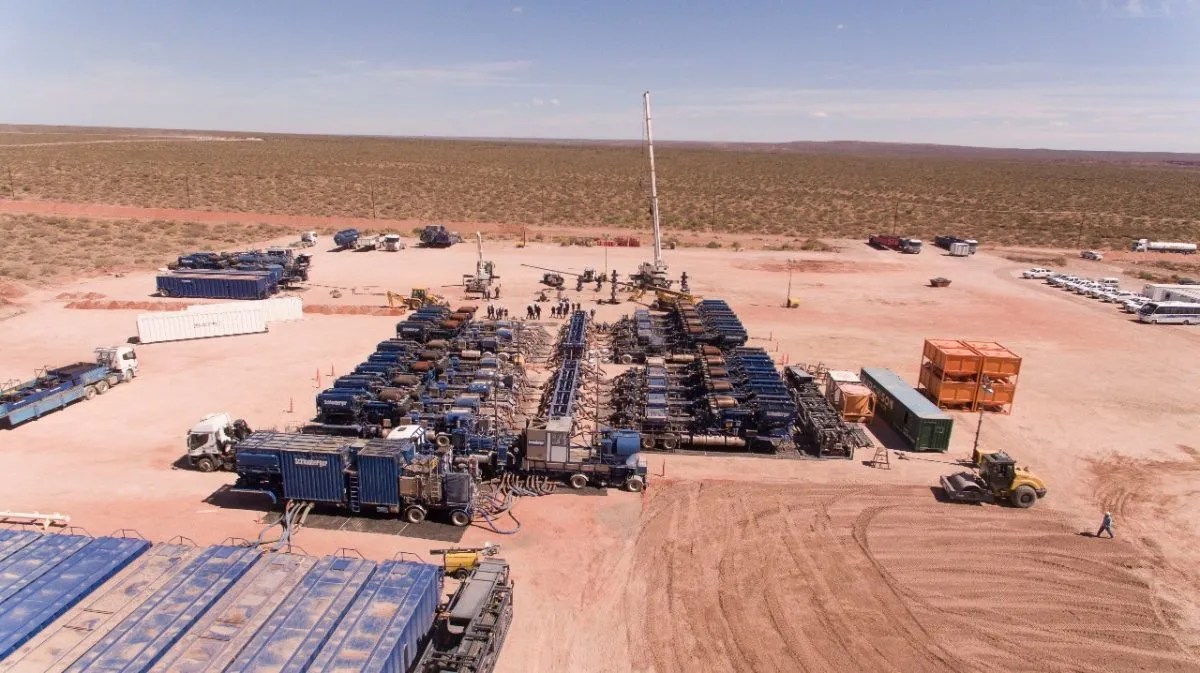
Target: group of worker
{"x":497,"y":312}
{"x":560,"y":309}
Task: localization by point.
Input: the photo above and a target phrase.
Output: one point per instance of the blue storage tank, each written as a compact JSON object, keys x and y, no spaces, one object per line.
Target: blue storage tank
{"x":154,"y":626}
{"x":625,"y":442}
{"x":316,"y":474}
{"x":385,"y":626}
{"x":66,"y":581}
{"x":379,"y":475}
{"x":295,"y":632}
{"x":215,"y":640}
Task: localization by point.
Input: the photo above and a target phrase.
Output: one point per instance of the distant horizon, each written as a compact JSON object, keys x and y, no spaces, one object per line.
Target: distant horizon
{"x":5,"y":128}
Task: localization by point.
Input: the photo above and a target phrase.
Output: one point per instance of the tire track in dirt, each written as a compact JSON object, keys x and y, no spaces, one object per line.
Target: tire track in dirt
{"x":738,"y":577}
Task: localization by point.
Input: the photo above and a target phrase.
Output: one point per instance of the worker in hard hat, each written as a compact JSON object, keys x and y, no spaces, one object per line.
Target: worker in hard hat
{"x":1106,"y":525}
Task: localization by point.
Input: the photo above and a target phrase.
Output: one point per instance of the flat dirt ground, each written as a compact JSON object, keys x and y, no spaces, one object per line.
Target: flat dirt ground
{"x":726,"y":563}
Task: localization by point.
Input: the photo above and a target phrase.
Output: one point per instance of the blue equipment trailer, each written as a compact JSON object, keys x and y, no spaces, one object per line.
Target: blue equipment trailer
{"x":345,"y":238}
{"x":218,"y":284}
{"x":52,"y":390}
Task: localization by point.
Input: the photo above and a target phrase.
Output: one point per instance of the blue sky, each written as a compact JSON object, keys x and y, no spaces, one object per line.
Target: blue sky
{"x":1073,"y":74}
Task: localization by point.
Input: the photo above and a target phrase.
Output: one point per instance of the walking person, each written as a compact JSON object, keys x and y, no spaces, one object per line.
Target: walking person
{"x":1106,"y":526}
{"x":537,"y":309}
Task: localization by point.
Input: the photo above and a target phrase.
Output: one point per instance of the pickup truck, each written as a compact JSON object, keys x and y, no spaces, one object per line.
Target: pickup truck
{"x":1037,"y":272}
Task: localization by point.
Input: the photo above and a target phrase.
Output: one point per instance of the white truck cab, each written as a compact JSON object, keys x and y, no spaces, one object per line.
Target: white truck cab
{"x":120,"y":360}
{"x":211,"y":440}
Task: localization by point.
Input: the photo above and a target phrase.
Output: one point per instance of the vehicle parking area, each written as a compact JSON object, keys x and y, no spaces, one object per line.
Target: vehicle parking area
{"x":726,"y":562}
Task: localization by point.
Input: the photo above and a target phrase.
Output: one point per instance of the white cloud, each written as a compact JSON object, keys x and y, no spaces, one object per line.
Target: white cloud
{"x":841,"y":26}
{"x":554,"y":101}
{"x":518,"y":9}
{"x":538,"y":102}
{"x":819,"y":114}
{"x":1147,"y":9}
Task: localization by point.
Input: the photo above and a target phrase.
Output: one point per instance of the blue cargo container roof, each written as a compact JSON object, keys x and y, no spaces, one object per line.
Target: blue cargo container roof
{"x":65,"y":581}
{"x":292,"y":636}
{"x":33,"y":560}
{"x":383,"y":628}
{"x":153,"y":627}
{"x":13,"y":540}
{"x":215,"y":640}
{"x":83,"y":625}
{"x":917,"y":403}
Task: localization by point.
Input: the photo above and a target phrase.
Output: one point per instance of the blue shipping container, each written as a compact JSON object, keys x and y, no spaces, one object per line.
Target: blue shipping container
{"x":317,"y":475}
{"x":383,"y":630}
{"x":158,"y":623}
{"x":296,"y":631}
{"x":215,"y":640}
{"x":244,"y":285}
{"x":66,"y":582}
{"x":379,"y":475}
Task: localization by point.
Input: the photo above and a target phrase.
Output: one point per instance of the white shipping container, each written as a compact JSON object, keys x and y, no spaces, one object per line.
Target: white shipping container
{"x":277,"y":309}
{"x":180,"y":325}
{"x":1160,"y":291}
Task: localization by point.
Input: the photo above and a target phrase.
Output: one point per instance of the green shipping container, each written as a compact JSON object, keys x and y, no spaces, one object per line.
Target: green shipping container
{"x":910,"y":413}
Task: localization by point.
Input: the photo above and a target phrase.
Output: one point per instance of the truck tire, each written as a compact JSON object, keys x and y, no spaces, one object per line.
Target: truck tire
{"x":114,"y":379}
{"x":1024,"y":497}
{"x":461,"y":574}
{"x":460,"y":518}
{"x":101,"y":387}
{"x":89,"y":392}
{"x":414,"y":514}
{"x":626,"y":359}
{"x":165,"y":292}
{"x":635,"y":484}
{"x":578,"y":481}
{"x":670,"y":442}
{"x":205,"y":464}
{"x":648,"y":442}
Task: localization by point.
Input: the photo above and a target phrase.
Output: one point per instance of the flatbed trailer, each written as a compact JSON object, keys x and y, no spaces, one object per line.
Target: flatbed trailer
{"x":55,"y":387}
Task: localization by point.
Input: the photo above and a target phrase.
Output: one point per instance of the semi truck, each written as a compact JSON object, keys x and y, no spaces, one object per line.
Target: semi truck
{"x":1171,"y":292}
{"x":910,"y":246}
{"x":394,"y":475}
{"x":1146,"y":245}
{"x":437,"y":236}
{"x":53,"y":388}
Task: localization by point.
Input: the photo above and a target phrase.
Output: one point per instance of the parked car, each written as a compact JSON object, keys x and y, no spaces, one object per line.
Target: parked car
{"x":1037,"y":272}
{"x":1121,"y":296}
{"x":1092,"y":255}
{"x":1062,"y":279}
{"x":1132,"y":304}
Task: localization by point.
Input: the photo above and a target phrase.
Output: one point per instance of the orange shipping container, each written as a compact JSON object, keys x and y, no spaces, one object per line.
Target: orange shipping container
{"x":944,"y":392}
{"x":952,"y":357}
{"x":997,"y":361}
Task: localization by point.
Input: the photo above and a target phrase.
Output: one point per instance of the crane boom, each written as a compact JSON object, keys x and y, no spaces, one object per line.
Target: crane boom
{"x":657,"y":225}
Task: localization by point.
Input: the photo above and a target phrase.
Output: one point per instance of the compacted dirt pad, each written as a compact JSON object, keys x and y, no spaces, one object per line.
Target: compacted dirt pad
{"x":742,"y":577}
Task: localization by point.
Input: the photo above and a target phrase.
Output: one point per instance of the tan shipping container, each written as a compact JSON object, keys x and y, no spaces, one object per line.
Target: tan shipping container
{"x":997,"y":361}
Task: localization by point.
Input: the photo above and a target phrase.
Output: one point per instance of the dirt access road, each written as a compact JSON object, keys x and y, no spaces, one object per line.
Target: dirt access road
{"x":727,"y":563}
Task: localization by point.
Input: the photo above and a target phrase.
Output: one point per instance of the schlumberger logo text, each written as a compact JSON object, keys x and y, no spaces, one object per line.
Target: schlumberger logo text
{"x":311,"y":462}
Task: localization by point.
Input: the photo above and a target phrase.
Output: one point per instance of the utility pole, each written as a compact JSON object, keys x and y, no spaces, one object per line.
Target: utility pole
{"x":371,"y":194}
{"x":12,"y":190}
{"x":895,"y":215}
{"x":787,"y":300}
{"x":187,"y":189}
{"x":1079,"y":237}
